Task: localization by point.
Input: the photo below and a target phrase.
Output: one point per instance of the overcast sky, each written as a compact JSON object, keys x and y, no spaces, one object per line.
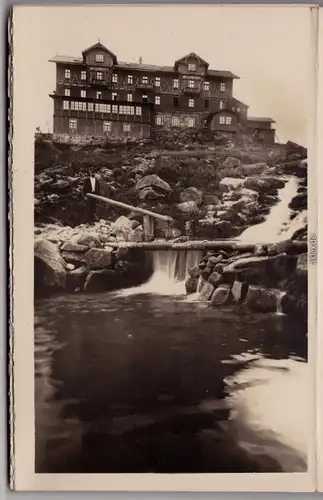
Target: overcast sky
{"x":269,"y":48}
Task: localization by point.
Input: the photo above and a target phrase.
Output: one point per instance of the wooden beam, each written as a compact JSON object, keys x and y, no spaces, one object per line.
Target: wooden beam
{"x":130,"y":208}
{"x":301,"y":246}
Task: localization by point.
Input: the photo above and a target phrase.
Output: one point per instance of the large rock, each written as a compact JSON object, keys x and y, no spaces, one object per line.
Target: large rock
{"x":76,"y":258}
{"x":149,"y":194}
{"x":261,"y":299}
{"x":215,"y":279}
{"x":194,"y":272}
{"x":122,"y":225}
{"x":103,"y":280}
{"x":188,"y":208}
{"x":283,"y":266}
{"x":286,"y":246}
{"x":89,"y":240}
{"x":221,"y":295}
{"x":99,"y":258}
{"x":50,"y":268}
{"x":237,"y":290}
{"x":191,"y":285}
{"x":302,"y":262}
{"x":75,"y":279}
{"x":206,"y":291}
{"x":69,"y":246}
{"x":263,"y":184}
{"x":192,"y":194}
{"x":153,"y":181}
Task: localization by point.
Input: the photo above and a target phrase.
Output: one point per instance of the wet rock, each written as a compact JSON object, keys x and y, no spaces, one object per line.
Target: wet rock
{"x":89,"y":240}
{"x":70,"y":267}
{"x":192,"y":194}
{"x":188,"y":208}
{"x":282,"y":266}
{"x":215,"y":279}
{"x":206,"y":272}
{"x":75,"y":279}
{"x":214,"y":260}
{"x":286,"y":246}
{"x":103,"y":280}
{"x":153,"y":181}
{"x":206,"y":291}
{"x":211,"y":199}
{"x":299,"y":202}
{"x":69,"y":246}
{"x":191,"y":285}
{"x":231,"y":162}
{"x":218,"y":268}
{"x":136,"y":235}
{"x":263,"y":184}
{"x":261,"y":299}
{"x":49,"y":266}
{"x":76,"y":258}
{"x":302,"y":261}
{"x":221,"y":295}
{"x":99,"y":258}
{"x":259,"y":251}
{"x":149,"y":194}
{"x":194,"y":272}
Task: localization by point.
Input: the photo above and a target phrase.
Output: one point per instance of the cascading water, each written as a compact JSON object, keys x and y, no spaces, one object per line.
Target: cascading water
{"x":278,"y":225}
{"x":170,"y":269}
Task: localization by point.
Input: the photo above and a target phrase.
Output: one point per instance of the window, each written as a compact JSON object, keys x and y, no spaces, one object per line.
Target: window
{"x":78,"y":106}
{"x":222,"y":87}
{"x":138,"y":110}
{"x":67,"y":92}
{"x":175,"y":121}
{"x":191,"y":84}
{"x":106,"y":126}
{"x":102,"y":108}
{"x":228,"y":120}
{"x":72,"y":124}
{"x":66,"y":105}
{"x":114,"y":78}
{"x":176,"y":101}
{"x":238,"y":109}
{"x":83,"y":75}
{"x":99,"y":95}
{"x":114,"y":109}
{"x":157,"y":81}
{"x":159,"y":120}
{"x":67,"y":73}
{"x":207,"y":86}
{"x":83,"y":93}
{"x":99,"y":75}
{"x":157,"y":99}
{"x":191,"y":103}
{"x":144,"y":98}
{"x":192,"y":67}
{"x":222,"y":120}
{"x":191,"y":122}
{"x":206,"y":103}
{"x":126,"y":127}
{"x":99,"y":58}
{"x":130,"y":79}
{"x":123,"y":110}
{"x":144,"y":79}
{"x":129,"y":97}
{"x":90,"y":106}
{"x":114,"y":96}
{"x":175,"y":84}
{"x":221,"y":104}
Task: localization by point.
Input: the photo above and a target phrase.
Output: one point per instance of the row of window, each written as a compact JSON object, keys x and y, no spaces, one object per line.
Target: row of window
{"x":100,"y":58}
{"x":72,"y":124}
{"x":192,"y":84}
{"x":102,"y":108}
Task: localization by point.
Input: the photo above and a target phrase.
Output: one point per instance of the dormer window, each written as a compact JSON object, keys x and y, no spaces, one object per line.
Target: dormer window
{"x":192,"y":67}
{"x":99,"y":58}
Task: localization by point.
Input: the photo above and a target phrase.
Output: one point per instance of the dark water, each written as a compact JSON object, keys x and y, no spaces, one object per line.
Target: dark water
{"x":138,"y":384}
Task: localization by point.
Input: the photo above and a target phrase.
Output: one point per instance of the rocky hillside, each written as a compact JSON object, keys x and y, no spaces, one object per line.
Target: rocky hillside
{"x":226,"y":186}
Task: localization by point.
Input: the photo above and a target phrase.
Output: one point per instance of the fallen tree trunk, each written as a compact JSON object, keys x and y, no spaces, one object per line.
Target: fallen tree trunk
{"x":198,"y":245}
{"x":130,"y":208}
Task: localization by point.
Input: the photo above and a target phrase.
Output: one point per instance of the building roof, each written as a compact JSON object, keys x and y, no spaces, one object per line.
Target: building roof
{"x":67,"y":59}
{"x":236,"y":101}
{"x":193,"y":55}
{"x":260,"y":119}
{"x":101,"y":47}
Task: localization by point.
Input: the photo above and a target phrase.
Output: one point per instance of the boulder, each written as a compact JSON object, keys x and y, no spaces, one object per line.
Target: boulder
{"x":191,"y":285}
{"x":263,"y":184}
{"x":103,"y":280}
{"x":282,"y":266}
{"x":136,"y":235}
{"x":69,"y":246}
{"x":261,"y":299}
{"x":302,"y":261}
{"x":194,"y":272}
{"x":75,"y":279}
{"x":192,"y":194}
{"x":214,"y":260}
{"x":153,"y":181}
{"x":206,"y":291}
{"x":188,"y":208}
{"x":211,"y":199}
{"x":149,"y":194}
{"x":49,"y":266}
{"x":237,"y":290}
{"x":121,"y":225}
{"x":76,"y":258}
{"x":231,"y":162}
{"x":286,"y":246}
{"x":215,"y":279}
{"x":99,"y":258}
{"x":89,"y":240}
{"x":221,"y":295}
{"x":259,"y":251}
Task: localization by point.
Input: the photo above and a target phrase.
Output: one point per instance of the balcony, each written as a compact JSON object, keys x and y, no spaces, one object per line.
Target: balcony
{"x":196,"y":90}
{"x":98,"y":83}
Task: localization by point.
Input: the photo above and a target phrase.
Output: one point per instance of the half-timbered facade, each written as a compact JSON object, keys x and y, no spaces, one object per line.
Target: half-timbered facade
{"x":98,"y":95}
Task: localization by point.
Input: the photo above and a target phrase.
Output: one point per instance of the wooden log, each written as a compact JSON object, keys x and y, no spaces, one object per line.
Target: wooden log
{"x":130,"y":208}
{"x":199,"y":245}
{"x":148,"y":225}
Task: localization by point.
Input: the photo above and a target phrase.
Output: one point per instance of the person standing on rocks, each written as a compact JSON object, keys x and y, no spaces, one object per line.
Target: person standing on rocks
{"x":91,"y":185}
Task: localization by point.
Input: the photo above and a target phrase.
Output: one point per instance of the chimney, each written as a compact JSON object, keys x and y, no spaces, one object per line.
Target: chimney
{"x":140,"y":60}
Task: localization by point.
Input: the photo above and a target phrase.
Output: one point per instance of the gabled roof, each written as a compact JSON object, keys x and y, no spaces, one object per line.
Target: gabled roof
{"x":260,"y":119}
{"x":191,"y":54}
{"x":236,"y":101}
{"x":99,"y":46}
{"x":67,"y":59}
{"x":223,"y":74}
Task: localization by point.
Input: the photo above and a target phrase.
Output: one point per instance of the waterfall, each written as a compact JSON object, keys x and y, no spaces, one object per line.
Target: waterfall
{"x":279,"y":298}
{"x":278,"y":225}
{"x":170,"y":270}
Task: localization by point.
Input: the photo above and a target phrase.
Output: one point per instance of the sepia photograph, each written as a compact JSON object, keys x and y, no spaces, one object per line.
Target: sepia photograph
{"x":170,"y":238}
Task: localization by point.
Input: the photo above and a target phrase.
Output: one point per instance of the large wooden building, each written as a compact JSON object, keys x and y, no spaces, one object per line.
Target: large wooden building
{"x":97,"y":95}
